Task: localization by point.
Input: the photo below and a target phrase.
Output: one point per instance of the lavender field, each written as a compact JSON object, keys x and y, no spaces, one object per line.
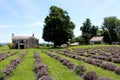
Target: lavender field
{"x":73,"y":63}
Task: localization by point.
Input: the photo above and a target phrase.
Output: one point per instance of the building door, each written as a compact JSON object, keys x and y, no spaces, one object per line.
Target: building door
{"x":21,"y":46}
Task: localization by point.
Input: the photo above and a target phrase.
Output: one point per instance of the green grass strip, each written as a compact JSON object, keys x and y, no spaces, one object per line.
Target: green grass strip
{"x":24,"y":70}
{"x":57,"y":70}
{"x":101,"y":72}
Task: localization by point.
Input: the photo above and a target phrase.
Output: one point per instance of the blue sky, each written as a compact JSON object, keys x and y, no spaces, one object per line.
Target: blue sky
{"x":25,"y":17}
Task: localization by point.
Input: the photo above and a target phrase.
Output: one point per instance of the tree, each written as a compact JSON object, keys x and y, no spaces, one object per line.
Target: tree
{"x":111,"y":26}
{"x":1,"y":45}
{"x":81,"y":40}
{"x":99,"y":32}
{"x":74,"y":39}
{"x":107,"y":37}
{"x":58,"y":28}
{"x":10,"y":45}
{"x":93,"y":30}
{"x":88,"y":30}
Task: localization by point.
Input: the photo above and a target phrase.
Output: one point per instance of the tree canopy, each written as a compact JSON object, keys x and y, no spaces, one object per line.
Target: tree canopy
{"x":88,"y":30}
{"x":58,"y":28}
{"x":111,"y":29}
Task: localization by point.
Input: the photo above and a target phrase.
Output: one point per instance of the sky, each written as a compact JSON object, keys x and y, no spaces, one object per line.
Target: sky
{"x":26,"y":17}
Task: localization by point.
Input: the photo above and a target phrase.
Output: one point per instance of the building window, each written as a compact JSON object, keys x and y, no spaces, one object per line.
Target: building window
{"x":17,"y":41}
{"x":22,"y":41}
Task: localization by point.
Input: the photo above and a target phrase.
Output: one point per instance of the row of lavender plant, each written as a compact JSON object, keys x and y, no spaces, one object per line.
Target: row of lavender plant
{"x":114,"y":50}
{"x":102,"y":56}
{"x":41,"y":69}
{"x":4,"y":56}
{"x":12,"y":66}
{"x":105,"y":65}
{"x":79,"y":70}
{"x":65,"y":62}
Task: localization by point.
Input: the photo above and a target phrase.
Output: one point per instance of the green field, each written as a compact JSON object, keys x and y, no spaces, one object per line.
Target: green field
{"x":58,"y":71}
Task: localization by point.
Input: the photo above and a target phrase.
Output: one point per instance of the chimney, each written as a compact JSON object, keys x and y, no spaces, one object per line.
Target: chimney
{"x":33,"y":35}
{"x":12,"y":34}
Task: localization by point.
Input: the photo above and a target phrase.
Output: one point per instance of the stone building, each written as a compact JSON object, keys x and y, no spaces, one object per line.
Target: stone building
{"x":22,"y":42}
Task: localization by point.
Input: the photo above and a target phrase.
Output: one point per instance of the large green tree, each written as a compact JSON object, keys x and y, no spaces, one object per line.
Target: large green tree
{"x":58,"y":28}
{"x":111,"y":27}
{"x":107,"y":37}
{"x":88,"y":30}
{"x":93,"y":30}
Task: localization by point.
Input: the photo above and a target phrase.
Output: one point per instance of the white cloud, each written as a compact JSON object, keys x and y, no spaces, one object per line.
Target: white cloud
{"x":4,"y":26}
{"x":36,"y":24}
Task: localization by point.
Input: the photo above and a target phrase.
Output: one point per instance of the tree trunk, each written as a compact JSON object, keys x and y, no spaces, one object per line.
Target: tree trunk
{"x":55,"y":45}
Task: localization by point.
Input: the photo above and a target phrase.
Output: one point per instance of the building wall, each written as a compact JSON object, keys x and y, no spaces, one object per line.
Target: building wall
{"x":28,"y":43}
{"x":96,"y":42}
{"x":32,"y":43}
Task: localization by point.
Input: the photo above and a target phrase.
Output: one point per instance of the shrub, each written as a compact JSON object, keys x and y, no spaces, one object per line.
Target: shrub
{"x":108,"y":65}
{"x":97,"y":62}
{"x":100,"y":57}
{"x":42,"y":73}
{"x":108,"y":58}
{"x":8,"y":70}
{"x":10,"y":45}
{"x":70,"y":65}
{"x":57,"y":57}
{"x":104,"y":78}
{"x":39,"y":67}
{"x":79,"y":70}
{"x":16,"y":61}
{"x":81,"y":54}
{"x":89,"y":60}
{"x":61,"y":60}
{"x":2,"y":75}
{"x":117,"y":70}
{"x":115,"y":56}
{"x":116,"y":60}
{"x":64,"y":62}
{"x":45,"y":78}
{"x":78,"y":58}
{"x":94,"y":56}
{"x":88,"y":55}
{"x":12,"y":66}
{"x":93,"y":53}
{"x":90,"y":76}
